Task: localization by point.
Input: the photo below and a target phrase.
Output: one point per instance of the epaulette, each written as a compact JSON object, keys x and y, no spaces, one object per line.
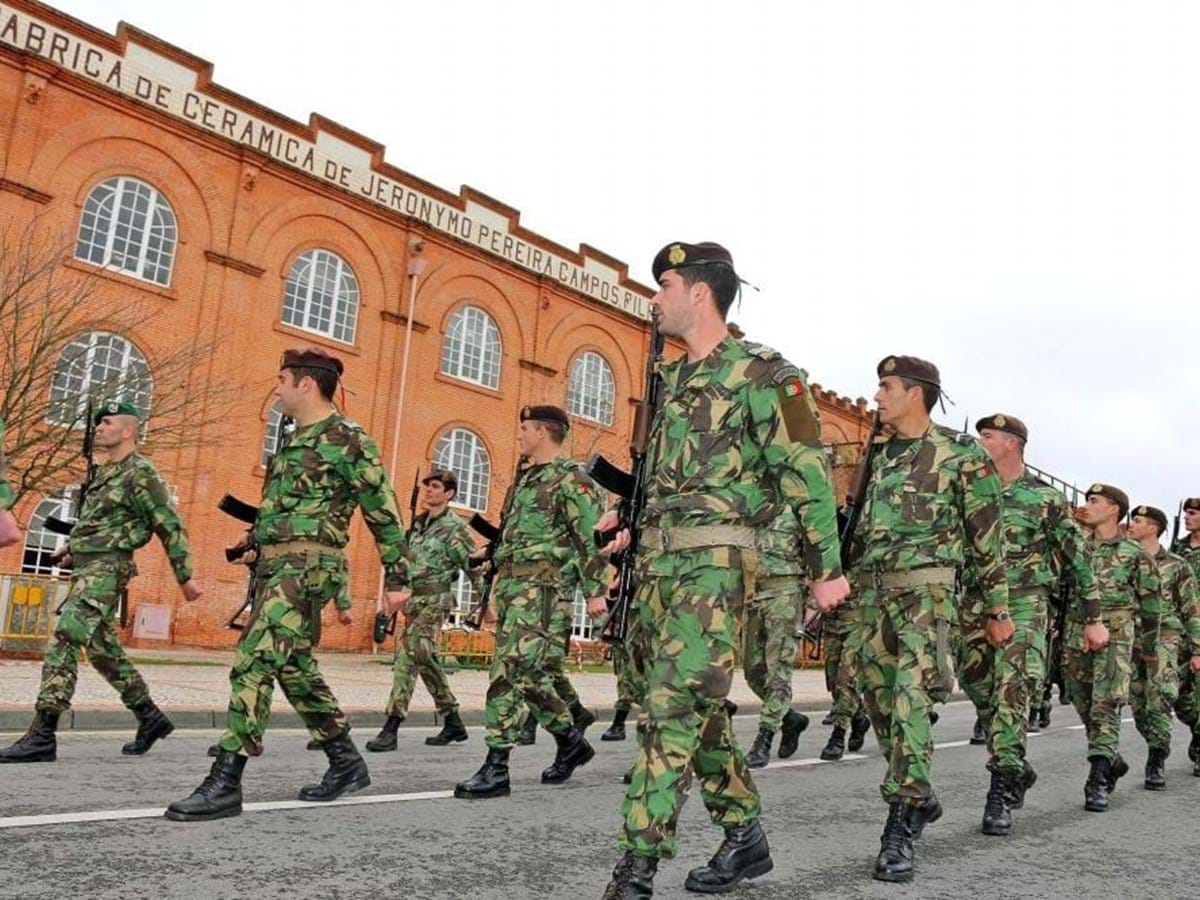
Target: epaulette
{"x":959,"y":437}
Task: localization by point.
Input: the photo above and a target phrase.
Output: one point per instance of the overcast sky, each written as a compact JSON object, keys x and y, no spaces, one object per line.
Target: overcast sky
{"x":1011,"y":190}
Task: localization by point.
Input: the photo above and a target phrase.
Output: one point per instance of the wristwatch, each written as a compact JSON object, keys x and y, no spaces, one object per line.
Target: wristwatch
{"x":999,"y":617}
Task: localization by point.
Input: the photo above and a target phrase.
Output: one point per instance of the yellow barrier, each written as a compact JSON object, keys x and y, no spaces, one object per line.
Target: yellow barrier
{"x":28,"y":603}
{"x":471,"y":649}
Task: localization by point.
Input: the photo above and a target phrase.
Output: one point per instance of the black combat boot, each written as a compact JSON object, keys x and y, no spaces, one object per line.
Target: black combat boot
{"x":828,"y":720}
{"x":453,"y":731}
{"x":895,"y":860}
{"x":628,"y":776}
{"x":347,"y":772}
{"x":314,"y":744}
{"x":573,"y":751}
{"x":731,"y":708}
{"x":1194,"y":747}
{"x":632,"y":878}
{"x":527,"y":736}
{"x":616,"y":731}
{"x":760,"y":750}
{"x":581,"y":716}
{"x":743,"y":854}
{"x":794,"y":724}
{"x":979,"y":732}
{"x":219,"y":794}
{"x":1043,"y":719}
{"x":925,"y":812}
{"x":859,"y":726}
{"x":1019,"y":784}
{"x":836,"y":745}
{"x":386,"y":739}
{"x":1156,"y":777}
{"x":1196,"y":768}
{"x":997,"y":820}
{"x":490,"y":781}
{"x":1117,"y":770}
{"x":1095,"y":789}
{"x":934,"y":715}
{"x":39,"y":743}
{"x":152,"y":725}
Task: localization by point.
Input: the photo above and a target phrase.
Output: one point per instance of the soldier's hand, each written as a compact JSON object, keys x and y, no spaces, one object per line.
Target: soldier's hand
{"x":998,"y":633}
{"x":10,"y":531}
{"x":1095,"y":637}
{"x":489,"y":615}
{"x":394,"y":601}
{"x":609,"y":522}
{"x":828,"y":594}
{"x":598,"y":606}
{"x":191,"y":591}
{"x":344,"y":616}
{"x":1194,"y":663}
{"x":241,"y":550}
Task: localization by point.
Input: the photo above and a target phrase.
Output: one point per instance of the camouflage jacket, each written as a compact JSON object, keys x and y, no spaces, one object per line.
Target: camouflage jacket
{"x":936,"y":504}
{"x":738,"y":437}
{"x":1189,"y":551}
{"x":1128,"y":580}
{"x":127,"y":502}
{"x":1181,"y":591}
{"x":779,"y":546}
{"x":7,"y":498}
{"x":551,"y":514}
{"x":314,"y":483}
{"x":437,"y":551}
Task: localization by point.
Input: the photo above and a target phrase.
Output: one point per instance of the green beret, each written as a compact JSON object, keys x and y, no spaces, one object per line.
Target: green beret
{"x":1192,"y":503}
{"x":1154,"y":514}
{"x":1108,"y":492}
{"x":448,"y":479}
{"x":311,"y":358}
{"x":1001,"y":422}
{"x":678,"y":255}
{"x":909,"y":367}
{"x":545,"y":414}
{"x":115,"y":408}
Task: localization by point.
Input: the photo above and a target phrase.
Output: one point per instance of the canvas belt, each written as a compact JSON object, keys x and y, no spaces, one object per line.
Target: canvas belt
{"x":117,"y":556}
{"x":697,"y":536}
{"x":291,"y":548}
{"x":528,"y":569}
{"x":939,"y":575}
{"x":775,"y":582}
{"x":429,"y":588}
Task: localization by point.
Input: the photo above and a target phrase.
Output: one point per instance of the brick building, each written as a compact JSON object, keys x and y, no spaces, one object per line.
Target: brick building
{"x":253,"y":233}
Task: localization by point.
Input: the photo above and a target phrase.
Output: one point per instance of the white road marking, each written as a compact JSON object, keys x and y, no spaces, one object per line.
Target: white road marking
{"x":949,"y":744}
{"x":813,"y":761}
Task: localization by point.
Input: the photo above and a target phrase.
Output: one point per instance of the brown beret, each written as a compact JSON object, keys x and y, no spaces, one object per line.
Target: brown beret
{"x":1001,"y":422}
{"x":545,"y":414}
{"x":1192,"y":503}
{"x":1154,"y":514}
{"x":678,"y":255}
{"x":448,"y":479}
{"x":1116,"y":495}
{"x":311,"y":358}
{"x":909,"y":367}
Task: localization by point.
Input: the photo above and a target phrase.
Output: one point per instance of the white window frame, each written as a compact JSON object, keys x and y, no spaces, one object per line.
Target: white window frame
{"x":47,"y":542}
{"x":461,"y":356}
{"x":304,"y":305}
{"x":592,"y":389}
{"x":582,"y":625}
{"x":68,"y":404}
{"x":465,"y":599}
{"x":470,"y":481}
{"x":116,"y":199}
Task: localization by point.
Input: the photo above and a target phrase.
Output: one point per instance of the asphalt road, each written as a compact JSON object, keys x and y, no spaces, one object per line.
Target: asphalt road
{"x":404,"y":837}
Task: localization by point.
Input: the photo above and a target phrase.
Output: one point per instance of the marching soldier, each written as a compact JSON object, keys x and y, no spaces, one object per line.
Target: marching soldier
{"x":1130,"y":603}
{"x":126,"y":503}
{"x":769,"y":637}
{"x":1188,"y":707}
{"x":10,"y":532}
{"x":1042,"y":539}
{"x":439,"y":545}
{"x":932,"y":505}
{"x":629,"y":685}
{"x":545,"y":550}
{"x":1154,"y":690}
{"x":328,"y":466}
{"x":736,"y":437}
{"x":842,"y":638}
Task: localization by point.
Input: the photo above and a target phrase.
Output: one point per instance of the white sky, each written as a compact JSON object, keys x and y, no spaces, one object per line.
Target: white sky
{"x":1009,"y":189}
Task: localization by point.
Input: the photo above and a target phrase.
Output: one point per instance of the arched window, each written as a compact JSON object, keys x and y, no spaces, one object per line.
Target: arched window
{"x":464,"y":600}
{"x":471,"y":350}
{"x":127,"y":224}
{"x":322,"y":295}
{"x":102,"y":366}
{"x":591,"y":390}
{"x":581,"y":624}
{"x":272,"y":437}
{"x":40,"y":544}
{"x":462,"y":452}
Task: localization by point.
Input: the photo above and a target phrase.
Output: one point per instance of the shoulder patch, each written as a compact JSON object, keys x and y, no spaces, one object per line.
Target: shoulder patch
{"x":798,"y":410}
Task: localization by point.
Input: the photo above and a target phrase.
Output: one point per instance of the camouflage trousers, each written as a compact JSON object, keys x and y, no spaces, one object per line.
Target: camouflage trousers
{"x":627,"y":666}
{"x":1154,"y":692}
{"x":1187,"y":707}
{"x":86,"y":620}
{"x":971,"y":652}
{"x":1099,"y":682}
{"x":562,"y":617}
{"x":417,"y":654}
{"x":769,"y":651}
{"x":277,"y":645}
{"x":526,"y":611}
{"x":905,"y":669}
{"x":687,"y":616}
{"x":842,"y":646}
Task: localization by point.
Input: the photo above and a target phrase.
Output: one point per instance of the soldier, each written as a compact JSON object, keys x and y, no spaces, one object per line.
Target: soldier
{"x":736,"y":437}
{"x":842,"y":639}
{"x":932,"y":504}
{"x":1154,"y":689}
{"x":1043,"y":539}
{"x":1099,"y":684}
{"x":971,"y":652}
{"x":328,"y":466}
{"x":545,"y":550}
{"x":629,"y":686}
{"x":1188,"y":707}
{"x":126,"y":503}
{"x":769,"y":637}
{"x":10,"y":532}
{"x":439,"y":544}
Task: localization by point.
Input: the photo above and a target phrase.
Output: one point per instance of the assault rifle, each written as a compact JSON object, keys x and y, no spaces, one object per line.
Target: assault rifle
{"x":630,"y":487}
{"x":248,"y":513}
{"x":385,"y":624}
{"x":1056,"y":642}
{"x":1176,"y":526}
{"x":492,"y":534}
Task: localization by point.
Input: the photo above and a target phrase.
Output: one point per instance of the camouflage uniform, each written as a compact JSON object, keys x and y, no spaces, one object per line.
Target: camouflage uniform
{"x":736,"y":437}
{"x":1154,"y":689}
{"x":627,"y":665}
{"x":7,"y":498}
{"x":1042,"y":538}
{"x":841,"y":637}
{"x":546,"y":549}
{"x":1187,"y":708}
{"x":438,"y":550}
{"x":769,"y":630}
{"x":312,"y":487}
{"x":932,"y":504}
{"x":1099,"y":682}
{"x":127,"y":502}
